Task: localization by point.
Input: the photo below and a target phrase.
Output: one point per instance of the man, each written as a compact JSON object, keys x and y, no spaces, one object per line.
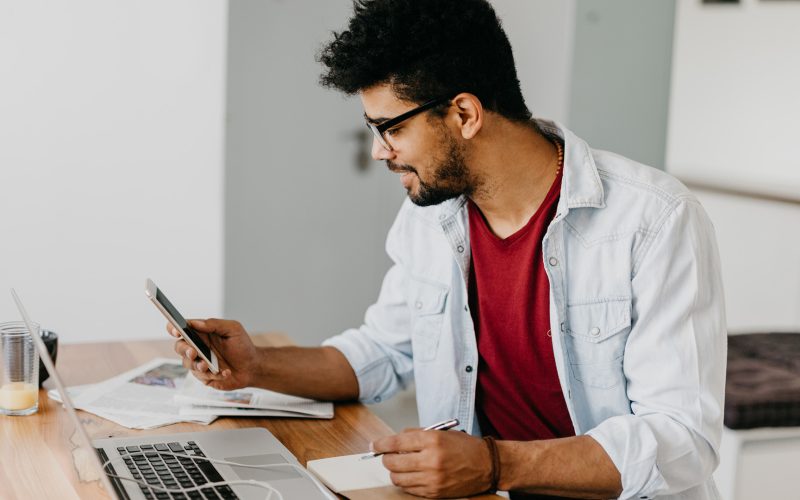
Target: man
{"x":562,"y":302}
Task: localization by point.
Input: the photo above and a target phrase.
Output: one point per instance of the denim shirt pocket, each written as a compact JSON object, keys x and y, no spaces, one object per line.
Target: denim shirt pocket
{"x":427,"y":301}
{"x":596,"y":337}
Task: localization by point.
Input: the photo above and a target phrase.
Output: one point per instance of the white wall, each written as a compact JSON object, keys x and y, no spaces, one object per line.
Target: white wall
{"x":620,"y":76}
{"x":735,"y":101}
{"x":758,"y":242}
{"x":111,"y":125}
{"x":733,"y":123}
{"x":541,"y":33}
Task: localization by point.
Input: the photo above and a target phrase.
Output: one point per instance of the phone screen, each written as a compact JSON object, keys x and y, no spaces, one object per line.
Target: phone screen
{"x":188,"y":330}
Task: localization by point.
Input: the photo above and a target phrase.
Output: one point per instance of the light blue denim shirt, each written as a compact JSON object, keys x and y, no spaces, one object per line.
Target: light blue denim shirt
{"x":636,"y":311}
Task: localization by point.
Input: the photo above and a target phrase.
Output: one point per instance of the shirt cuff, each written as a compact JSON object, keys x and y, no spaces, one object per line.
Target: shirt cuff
{"x":377,"y":378}
{"x":633,"y":448}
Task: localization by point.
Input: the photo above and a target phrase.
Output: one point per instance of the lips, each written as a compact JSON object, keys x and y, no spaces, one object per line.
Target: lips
{"x":407,"y":176}
{"x":397,"y":169}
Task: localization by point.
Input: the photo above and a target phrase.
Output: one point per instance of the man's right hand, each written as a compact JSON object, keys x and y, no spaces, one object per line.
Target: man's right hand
{"x":237,"y":357}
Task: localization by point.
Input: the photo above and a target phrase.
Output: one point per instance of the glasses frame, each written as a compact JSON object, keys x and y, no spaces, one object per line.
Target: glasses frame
{"x":379,"y":128}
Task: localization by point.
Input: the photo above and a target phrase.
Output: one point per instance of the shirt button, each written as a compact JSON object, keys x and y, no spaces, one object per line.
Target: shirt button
{"x":377,"y":399}
{"x":553,"y":261}
{"x":442,"y":217}
{"x":418,"y":305}
{"x":594,"y":332}
{"x":469,"y":368}
{"x":466,"y":308}
{"x":460,"y":249}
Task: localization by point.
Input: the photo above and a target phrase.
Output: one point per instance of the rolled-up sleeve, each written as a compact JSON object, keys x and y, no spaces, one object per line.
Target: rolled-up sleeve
{"x":380,"y":350}
{"x":674,"y":361}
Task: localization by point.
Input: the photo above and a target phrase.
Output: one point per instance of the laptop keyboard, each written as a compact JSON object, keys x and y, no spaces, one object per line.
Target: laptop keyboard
{"x":146,"y":464}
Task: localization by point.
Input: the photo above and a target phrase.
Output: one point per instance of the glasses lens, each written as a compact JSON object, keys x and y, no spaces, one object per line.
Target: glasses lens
{"x":381,"y":139}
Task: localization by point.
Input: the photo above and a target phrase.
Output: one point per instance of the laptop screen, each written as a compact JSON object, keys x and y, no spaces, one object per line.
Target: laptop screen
{"x":86,"y":466}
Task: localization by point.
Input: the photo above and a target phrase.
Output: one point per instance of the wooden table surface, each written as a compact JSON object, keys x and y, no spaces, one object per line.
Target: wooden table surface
{"x":35,"y":458}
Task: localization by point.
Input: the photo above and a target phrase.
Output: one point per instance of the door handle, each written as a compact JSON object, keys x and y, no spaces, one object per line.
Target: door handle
{"x":363,"y":156}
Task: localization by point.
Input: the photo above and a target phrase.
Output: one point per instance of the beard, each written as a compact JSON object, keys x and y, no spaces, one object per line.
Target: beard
{"x":450,"y":178}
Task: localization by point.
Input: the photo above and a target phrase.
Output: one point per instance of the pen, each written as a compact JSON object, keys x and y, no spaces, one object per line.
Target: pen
{"x":441,"y":426}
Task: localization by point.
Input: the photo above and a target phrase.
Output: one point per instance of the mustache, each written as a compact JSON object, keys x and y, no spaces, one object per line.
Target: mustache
{"x":399,"y":169}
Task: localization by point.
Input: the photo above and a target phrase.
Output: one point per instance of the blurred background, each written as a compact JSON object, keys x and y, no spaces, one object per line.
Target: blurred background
{"x":188,"y":141}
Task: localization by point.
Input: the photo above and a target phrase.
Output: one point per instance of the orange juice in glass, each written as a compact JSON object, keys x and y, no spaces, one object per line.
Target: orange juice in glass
{"x":19,"y":369}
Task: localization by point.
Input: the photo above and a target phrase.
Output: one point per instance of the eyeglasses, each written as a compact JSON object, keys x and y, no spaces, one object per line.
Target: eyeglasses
{"x":378,"y":129}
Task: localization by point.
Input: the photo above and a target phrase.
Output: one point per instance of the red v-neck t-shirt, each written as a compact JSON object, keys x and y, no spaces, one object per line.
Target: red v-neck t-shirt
{"x":519,"y":396}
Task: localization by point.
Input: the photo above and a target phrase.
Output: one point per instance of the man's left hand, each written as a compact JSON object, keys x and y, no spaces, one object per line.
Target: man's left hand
{"x":436,"y":464}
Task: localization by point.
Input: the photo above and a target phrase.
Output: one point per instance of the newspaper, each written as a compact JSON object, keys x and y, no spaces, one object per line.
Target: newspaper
{"x":199,"y":410}
{"x":125,"y":420}
{"x":196,"y":399}
{"x":142,"y":398}
{"x":162,"y":392}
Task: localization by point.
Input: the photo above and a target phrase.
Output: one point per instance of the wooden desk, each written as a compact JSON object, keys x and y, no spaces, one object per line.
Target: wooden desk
{"x":35,"y":461}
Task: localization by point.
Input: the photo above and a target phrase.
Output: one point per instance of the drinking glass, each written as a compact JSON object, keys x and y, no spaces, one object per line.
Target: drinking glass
{"x":19,"y":369}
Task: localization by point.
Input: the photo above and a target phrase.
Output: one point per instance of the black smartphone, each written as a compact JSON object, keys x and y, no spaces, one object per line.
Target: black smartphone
{"x":190,"y":335}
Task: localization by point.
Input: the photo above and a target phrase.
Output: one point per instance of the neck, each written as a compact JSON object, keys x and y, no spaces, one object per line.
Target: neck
{"x":515,"y":166}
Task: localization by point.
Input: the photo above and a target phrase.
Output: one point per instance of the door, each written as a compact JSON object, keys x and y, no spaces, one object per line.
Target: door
{"x":307,"y":209}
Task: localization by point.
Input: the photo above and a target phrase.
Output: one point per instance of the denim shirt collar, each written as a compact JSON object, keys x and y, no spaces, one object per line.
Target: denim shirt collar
{"x":580,"y":186}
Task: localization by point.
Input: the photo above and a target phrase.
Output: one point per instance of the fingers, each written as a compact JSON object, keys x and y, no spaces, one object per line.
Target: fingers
{"x":205,"y":326}
{"x":182,"y":349}
{"x":406,"y":442}
{"x":198,"y":366}
{"x":207,"y":377}
{"x":222,"y":327}
{"x":405,"y":462}
{"x":408,"y":479}
{"x":172,"y":330}
{"x":201,"y":325}
{"x":190,"y":358}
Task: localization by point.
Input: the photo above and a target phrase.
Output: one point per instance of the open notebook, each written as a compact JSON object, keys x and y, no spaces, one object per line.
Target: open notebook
{"x":358,"y":479}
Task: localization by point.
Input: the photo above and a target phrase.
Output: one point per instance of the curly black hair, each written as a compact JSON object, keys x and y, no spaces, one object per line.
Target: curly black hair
{"x":426,"y":49}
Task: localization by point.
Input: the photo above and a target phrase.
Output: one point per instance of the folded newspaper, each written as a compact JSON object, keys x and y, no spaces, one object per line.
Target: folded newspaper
{"x":197,"y":400}
{"x":162,"y":392}
{"x":141,"y":398}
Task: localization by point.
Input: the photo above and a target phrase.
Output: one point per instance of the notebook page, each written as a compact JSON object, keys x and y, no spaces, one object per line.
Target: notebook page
{"x":349,"y":472}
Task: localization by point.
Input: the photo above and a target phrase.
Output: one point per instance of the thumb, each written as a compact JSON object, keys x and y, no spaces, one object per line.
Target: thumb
{"x":201,"y":325}
{"x":220,"y":327}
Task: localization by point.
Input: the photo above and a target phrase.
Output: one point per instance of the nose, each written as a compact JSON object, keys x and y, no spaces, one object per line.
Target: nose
{"x":379,"y":152}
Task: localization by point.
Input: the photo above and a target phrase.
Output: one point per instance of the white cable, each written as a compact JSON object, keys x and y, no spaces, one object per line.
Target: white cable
{"x":242,"y":482}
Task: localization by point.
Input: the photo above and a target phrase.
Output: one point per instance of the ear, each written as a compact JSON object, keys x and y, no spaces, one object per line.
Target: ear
{"x":470,"y":114}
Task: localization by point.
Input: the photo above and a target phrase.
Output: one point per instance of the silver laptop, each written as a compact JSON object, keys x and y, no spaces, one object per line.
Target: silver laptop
{"x":151,"y":458}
